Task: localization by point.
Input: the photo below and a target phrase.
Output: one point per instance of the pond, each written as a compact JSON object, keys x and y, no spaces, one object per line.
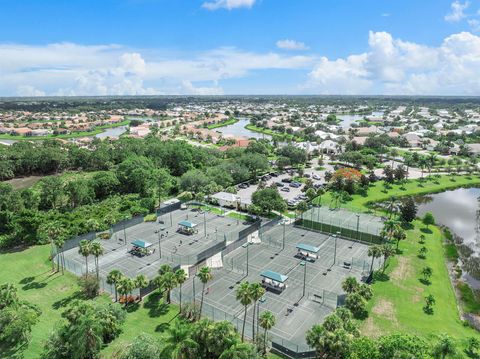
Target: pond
{"x":459,"y":210}
{"x":348,"y":120}
{"x":112,"y":132}
{"x":238,"y":130}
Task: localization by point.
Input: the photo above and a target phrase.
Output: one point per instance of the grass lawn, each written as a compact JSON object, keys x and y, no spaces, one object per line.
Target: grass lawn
{"x":397,"y":303}
{"x":223,"y":124}
{"x":30,"y":271}
{"x":411,"y":188}
{"x":240,"y":216}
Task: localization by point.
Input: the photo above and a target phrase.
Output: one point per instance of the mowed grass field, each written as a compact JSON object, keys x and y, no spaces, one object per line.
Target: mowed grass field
{"x":411,"y":188}
{"x":30,"y":271}
{"x":399,"y":297}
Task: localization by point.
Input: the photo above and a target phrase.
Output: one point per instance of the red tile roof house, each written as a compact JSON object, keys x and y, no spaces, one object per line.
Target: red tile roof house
{"x":22,"y":131}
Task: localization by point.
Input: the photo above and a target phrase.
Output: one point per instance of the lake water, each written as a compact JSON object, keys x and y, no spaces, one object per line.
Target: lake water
{"x":459,"y":210}
{"x":7,"y":142}
{"x":348,"y":120}
{"x":238,"y":129}
{"x":112,"y":132}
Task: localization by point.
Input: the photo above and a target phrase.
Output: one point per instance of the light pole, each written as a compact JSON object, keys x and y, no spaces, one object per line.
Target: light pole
{"x":283,"y":241}
{"x":124,"y":233}
{"x":304,"y":277}
{"x":160,"y":236}
{"x":193,"y":283}
{"x":248,"y":245}
{"x":205,"y":223}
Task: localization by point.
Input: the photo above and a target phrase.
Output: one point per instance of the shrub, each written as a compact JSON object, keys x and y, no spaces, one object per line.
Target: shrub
{"x":89,"y":285}
{"x":152,"y":217}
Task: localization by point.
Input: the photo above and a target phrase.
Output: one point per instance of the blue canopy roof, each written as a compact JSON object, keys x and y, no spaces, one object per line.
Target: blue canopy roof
{"x":307,"y":248}
{"x":277,"y":277}
{"x":187,"y":224}
{"x":141,"y":244}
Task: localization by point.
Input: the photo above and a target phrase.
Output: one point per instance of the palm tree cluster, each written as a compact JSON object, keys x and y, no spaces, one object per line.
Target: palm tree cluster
{"x":125,"y":286}
{"x":88,"y":248}
{"x":56,"y":236}
{"x":167,"y":280}
{"x":357,"y":296}
{"x":250,"y":293}
{"x":203,"y":339}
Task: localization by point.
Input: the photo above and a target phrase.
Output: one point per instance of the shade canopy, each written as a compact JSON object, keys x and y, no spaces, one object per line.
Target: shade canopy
{"x":277,"y":277}
{"x":141,"y":244}
{"x":187,"y":224}
{"x":307,"y":248}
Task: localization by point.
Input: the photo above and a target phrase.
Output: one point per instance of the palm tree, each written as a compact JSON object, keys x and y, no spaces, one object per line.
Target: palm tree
{"x":8,"y":295}
{"x":350,"y":285}
{"x":86,"y":337}
{"x":431,"y":160}
{"x":239,"y":351}
{"x":164,"y":268}
{"x":125,"y":286}
{"x":54,"y":232}
{"x":387,"y":251}
{"x":205,"y":274}
{"x":84,"y":250}
{"x":178,"y":342}
{"x":59,"y":242}
{"x":168,"y":283}
{"x":399,"y":235}
{"x":96,"y":250}
{"x":267,"y":321}
{"x":374,"y":252}
{"x":181,"y":277}
{"x":244,"y":296}
{"x":256,"y":292}
{"x":141,"y":282}
{"x":113,"y":278}
{"x":445,"y":346}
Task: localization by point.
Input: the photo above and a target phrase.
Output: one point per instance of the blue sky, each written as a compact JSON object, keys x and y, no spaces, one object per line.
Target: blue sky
{"x":120,"y":47}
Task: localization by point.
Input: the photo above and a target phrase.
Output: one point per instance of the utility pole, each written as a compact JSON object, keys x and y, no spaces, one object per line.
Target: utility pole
{"x":304,"y":277}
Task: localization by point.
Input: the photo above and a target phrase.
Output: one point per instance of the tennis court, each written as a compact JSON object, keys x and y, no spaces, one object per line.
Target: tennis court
{"x":359,"y":226}
{"x":298,"y":306}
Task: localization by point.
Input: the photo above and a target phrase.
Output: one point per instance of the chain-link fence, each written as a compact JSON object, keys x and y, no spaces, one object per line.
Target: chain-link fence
{"x":282,"y":345}
{"x":358,"y":226}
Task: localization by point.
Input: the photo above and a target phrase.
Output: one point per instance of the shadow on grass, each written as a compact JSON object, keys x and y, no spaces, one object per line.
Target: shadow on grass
{"x":424,"y":281}
{"x":27,"y":280}
{"x":380,"y":277}
{"x":34,"y":285}
{"x":67,"y":300}
{"x":155,"y":305}
{"x":407,"y":226}
{"x":132,"y":307}
{"x":162,"y":327}
{"x":426,"y":230}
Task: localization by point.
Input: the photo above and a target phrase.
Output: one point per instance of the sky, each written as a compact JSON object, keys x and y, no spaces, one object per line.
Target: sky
{"x":255,"y":47}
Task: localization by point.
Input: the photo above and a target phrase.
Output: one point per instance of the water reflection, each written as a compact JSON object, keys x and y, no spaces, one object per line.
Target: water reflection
{"x":238,"y":129}
{"x":459,"y":210}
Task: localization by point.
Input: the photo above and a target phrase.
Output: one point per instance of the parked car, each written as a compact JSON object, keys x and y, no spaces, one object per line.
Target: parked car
{"x":279,"y":184}
{"x":285,"y":189}
{"x":286,"y":180}
{"x":315,"y":176}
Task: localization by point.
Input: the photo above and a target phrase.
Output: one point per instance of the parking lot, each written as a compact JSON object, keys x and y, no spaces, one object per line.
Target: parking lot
{"x":288,"y":192}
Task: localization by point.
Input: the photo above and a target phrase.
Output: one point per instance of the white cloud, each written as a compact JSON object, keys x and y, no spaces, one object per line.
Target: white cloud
{"x":228,"y":4}
{"x":72,"y":69}
{"x":474,"y":25}
{"x":393,"y":66}
{"x":287,"y":44}
{"x":457,"y":12}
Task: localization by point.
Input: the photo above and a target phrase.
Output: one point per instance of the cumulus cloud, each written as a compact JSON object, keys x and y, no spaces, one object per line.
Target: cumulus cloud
{"x":291,"y":45}
{"x":228,"y":4}
{"x":457,"y":11}
{"x":394,"y":66}
{"x":72,"y":69}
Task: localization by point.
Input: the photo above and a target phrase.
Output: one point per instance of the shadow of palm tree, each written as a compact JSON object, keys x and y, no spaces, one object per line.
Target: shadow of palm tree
{"x":162,"y":327}
{"x":67,"y":300}
{"x":155,"y":305}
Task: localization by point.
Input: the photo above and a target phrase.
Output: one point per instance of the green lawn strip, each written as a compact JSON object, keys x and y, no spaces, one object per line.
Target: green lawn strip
{"x":152,"y":317}
{"x":397,"y":304}
{"x":208,"y":208}
{"x":30,"y":271}
{"x":411,"y":188}
{"x":240,"y":216}
{"x":223,"y":124}
{"x":95,"y":131}
{"x":267,"y":131}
